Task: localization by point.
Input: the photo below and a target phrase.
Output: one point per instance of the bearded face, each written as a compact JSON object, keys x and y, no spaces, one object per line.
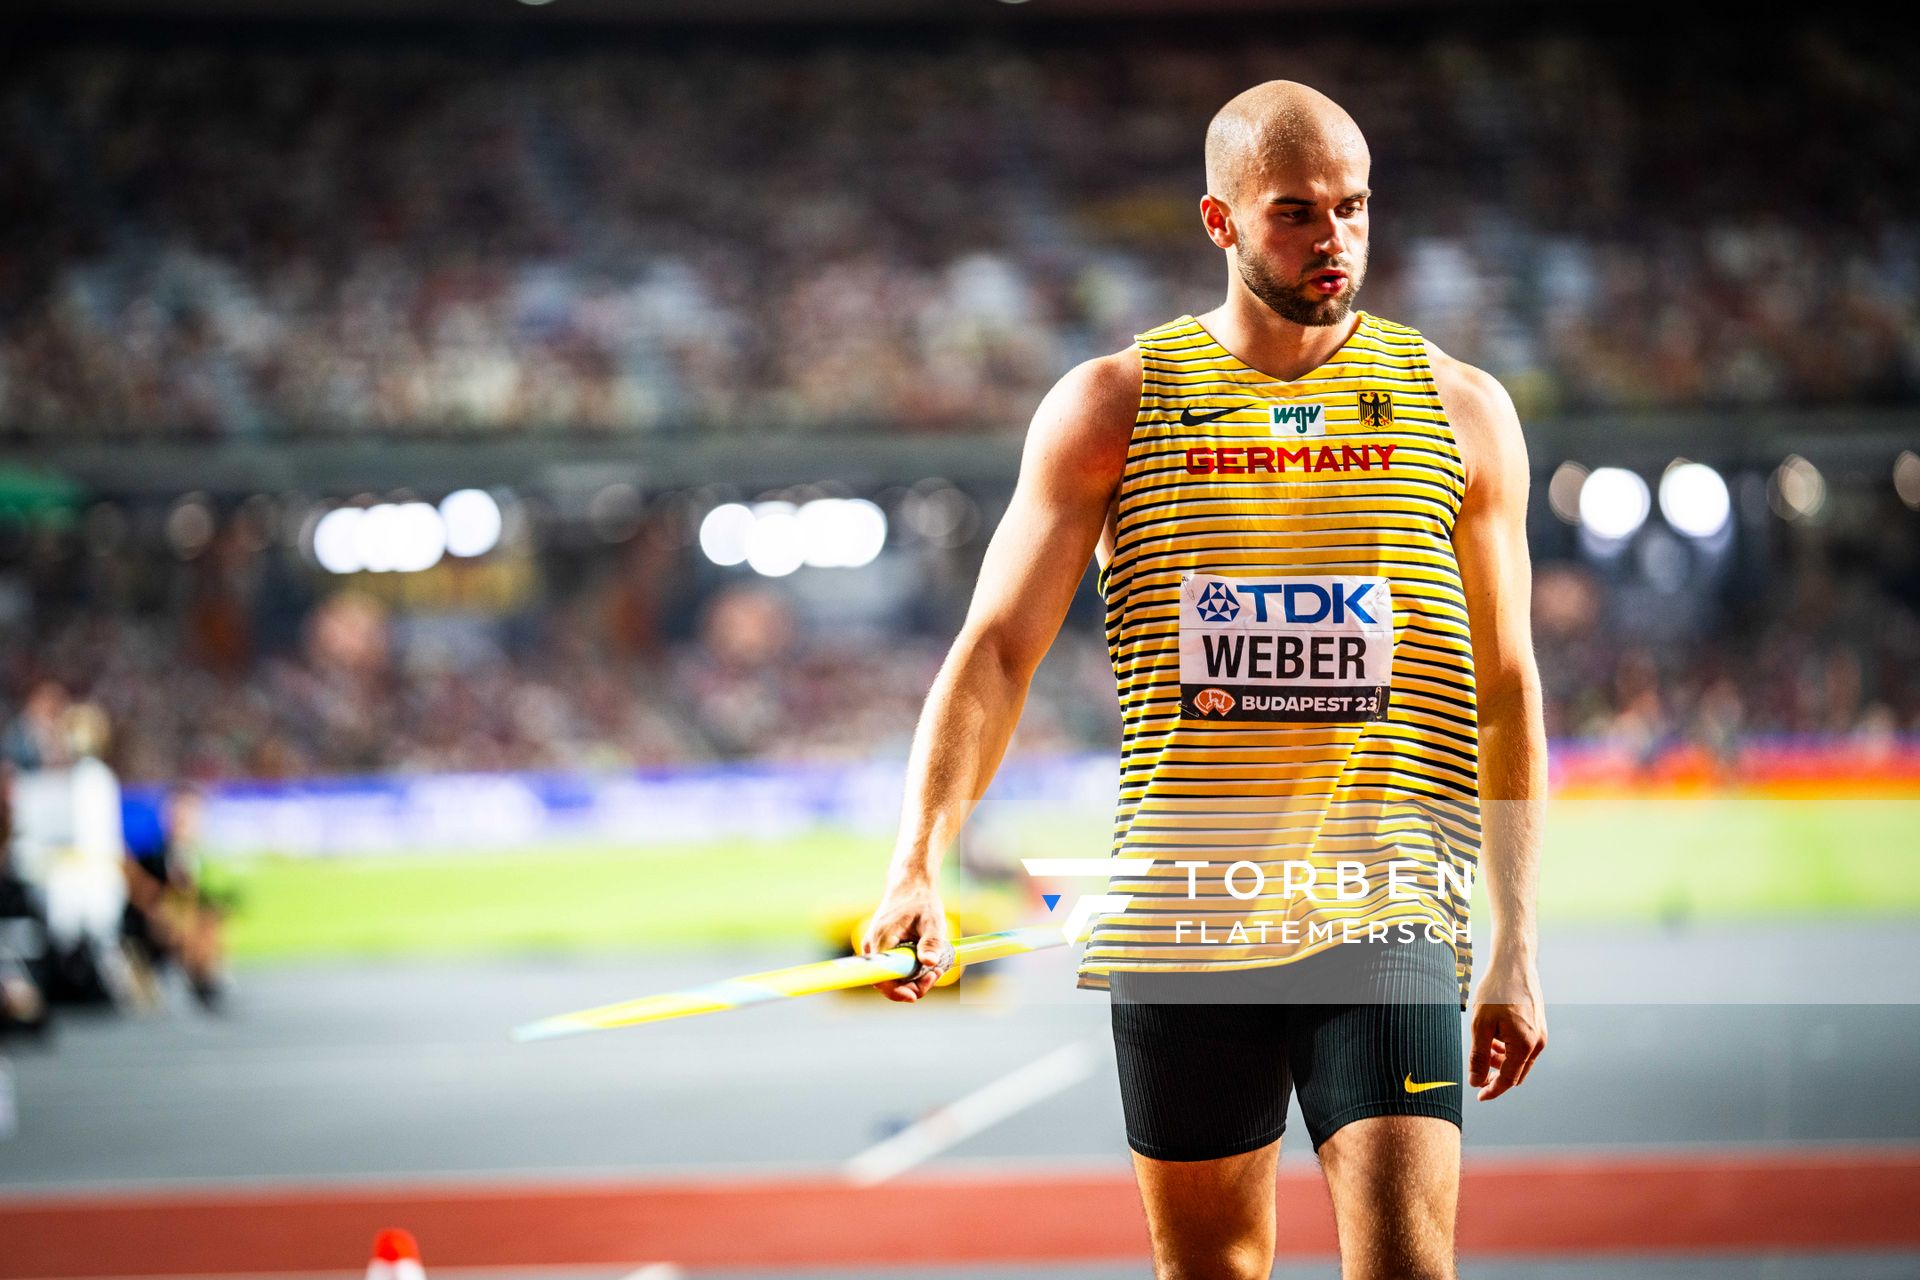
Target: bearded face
{"x":1306,"y":297}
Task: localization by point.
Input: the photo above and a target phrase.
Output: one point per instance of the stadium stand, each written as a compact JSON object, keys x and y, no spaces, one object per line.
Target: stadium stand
{"x":226,"y":241}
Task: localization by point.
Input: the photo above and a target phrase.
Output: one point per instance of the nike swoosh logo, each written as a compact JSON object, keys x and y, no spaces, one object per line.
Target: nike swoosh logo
{"x":1425,"y":1085}
{"x":1188,"y":418}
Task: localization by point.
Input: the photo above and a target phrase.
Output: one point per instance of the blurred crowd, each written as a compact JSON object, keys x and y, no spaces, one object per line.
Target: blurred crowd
{"x":683,"y":234}
{"x":328,"y":710}
{"x":1837,"y":659}
{"x":1833,"y":659}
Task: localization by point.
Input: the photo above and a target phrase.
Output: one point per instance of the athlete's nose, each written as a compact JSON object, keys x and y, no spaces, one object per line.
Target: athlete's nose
{"x":1332,"y":244}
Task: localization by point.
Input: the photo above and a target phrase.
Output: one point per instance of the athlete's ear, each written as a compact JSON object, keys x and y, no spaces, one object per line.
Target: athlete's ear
{"x":1218,"y":220}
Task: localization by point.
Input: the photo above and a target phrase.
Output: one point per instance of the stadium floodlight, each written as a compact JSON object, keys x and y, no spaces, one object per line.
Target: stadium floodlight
{"x":776,"y":542}
{"x":1797,"y":490}
{"x":1694,"y":499}
{"x":472,"y":521}
{"x":336,"y":541}
{"x":399,"y":537}
{"x":1906,"y":478}
{"x":374,"y":537}
{"x":823,"y":532}
{"x":390,"y":537}
{"x":1614,"y":502}
{"x":420,"y":537}
{"x":776,"y":538}
{"x":866,"y":532}
{"x":841,"y":533}
{"x":723,"y":533}
{"x":1563,"y":491}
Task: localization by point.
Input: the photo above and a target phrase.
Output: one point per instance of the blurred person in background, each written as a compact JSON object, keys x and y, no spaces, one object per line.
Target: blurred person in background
{"x":24,"y":951}
{"x":37,"y":738}
{"x":67,"y":843}
{"x":173,"y":916}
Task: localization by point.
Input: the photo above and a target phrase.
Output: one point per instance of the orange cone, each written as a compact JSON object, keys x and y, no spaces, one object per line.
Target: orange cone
{"x":396,"y":1256}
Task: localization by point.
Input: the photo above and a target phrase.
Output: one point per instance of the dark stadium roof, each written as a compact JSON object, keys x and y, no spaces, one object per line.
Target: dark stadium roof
{"x":720,"y":11}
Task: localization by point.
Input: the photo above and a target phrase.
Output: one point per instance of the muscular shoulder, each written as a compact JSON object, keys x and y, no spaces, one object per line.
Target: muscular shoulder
{"x":1483,"y":419}
{"x":1089,"y":414}
{"x":1103,"y":392}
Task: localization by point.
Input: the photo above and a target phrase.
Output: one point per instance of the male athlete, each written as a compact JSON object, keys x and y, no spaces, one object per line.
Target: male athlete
{"x":1310,"y":525}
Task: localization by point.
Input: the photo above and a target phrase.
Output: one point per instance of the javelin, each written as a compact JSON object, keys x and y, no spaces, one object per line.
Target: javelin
{"x":777,"y":984}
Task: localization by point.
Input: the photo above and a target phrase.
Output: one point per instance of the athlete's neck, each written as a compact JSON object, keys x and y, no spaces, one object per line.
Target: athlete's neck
{"x":1277,"y":347}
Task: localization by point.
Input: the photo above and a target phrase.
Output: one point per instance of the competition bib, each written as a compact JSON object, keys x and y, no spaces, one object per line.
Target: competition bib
{"x":1301,"y":649}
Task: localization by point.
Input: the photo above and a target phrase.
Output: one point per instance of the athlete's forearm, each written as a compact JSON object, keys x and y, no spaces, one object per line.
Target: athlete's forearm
{"x":963,"y":733}
{"x":1513,"y":800}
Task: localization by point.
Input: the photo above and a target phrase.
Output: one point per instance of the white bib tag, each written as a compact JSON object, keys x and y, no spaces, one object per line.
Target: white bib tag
{"x":1314,"y":649}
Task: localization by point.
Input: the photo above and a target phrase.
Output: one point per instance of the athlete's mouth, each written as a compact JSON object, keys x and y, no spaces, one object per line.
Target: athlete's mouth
{"x":1327,"y":282}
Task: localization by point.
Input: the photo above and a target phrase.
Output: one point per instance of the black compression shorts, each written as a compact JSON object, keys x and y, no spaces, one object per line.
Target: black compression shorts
{"x":1207,"y":1060}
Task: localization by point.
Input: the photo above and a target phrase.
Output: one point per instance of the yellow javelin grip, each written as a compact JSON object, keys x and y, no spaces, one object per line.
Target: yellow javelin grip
{"x":778,"y":984}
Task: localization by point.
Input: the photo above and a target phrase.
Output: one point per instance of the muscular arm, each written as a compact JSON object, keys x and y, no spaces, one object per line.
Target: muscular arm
{"x":1075,"y":453}
{"x":1490,"y":543}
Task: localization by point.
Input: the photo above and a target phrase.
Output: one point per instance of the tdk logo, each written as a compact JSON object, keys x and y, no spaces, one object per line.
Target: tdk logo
{"x":1299,"y":420}
{"x":1299,"y":602}
{"x":1216,"y":604}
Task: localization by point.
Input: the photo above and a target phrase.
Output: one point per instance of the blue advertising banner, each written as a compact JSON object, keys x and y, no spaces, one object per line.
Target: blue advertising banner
{"x":474,"y":811}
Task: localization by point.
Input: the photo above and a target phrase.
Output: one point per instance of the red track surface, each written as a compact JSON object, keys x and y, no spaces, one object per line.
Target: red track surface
{"x":1795,"y":1199}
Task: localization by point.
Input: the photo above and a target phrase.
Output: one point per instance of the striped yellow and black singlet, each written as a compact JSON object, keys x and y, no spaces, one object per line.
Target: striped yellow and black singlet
{"x":1242,"y":490}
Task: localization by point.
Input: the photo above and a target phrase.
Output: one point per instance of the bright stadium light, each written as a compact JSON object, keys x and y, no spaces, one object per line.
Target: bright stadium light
{"x":336,"y":542}
{"x":1563,"y":491}
{"x":841,"y":533}
{"x":1694,"y":499}
{"x":776,"y":538}
{"x":821,"y":532}
{"x":421,"y":537}
{"x":1797,"y":490}
{"x":866,"y":532}
{"x":473,"y":522}
{"x":775,"y":542}
{"x":374,"y":537}
{"x":723,"y":533}
{"x":399,"y":537}
{"x":1614,"y":502}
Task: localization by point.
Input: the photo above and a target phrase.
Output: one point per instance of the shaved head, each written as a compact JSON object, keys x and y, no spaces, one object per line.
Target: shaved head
{"x":1287,"y":198}
{"x":1278,"y":127}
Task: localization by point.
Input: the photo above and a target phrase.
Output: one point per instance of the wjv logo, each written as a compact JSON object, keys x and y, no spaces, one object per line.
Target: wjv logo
{"x":1299,"y":420}
{"x":1079,"y":921}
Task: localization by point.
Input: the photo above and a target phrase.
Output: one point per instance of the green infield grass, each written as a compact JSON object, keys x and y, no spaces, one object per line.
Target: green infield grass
{"x":1613,"y":860}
